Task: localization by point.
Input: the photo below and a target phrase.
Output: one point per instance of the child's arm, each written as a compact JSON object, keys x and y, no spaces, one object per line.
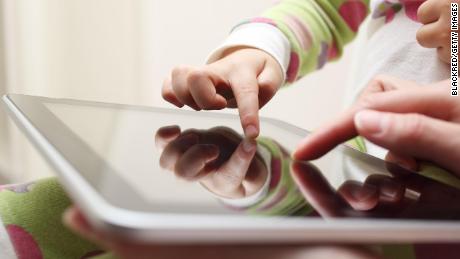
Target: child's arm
{"x":288,"y":41}
{"x":312,"y":33}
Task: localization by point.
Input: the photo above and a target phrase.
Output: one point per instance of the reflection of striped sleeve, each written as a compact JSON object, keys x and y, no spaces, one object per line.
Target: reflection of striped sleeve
{"x":282,"y":197}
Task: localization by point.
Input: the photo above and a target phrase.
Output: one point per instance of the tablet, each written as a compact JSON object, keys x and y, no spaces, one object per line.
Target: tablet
{"x":175,"y":176}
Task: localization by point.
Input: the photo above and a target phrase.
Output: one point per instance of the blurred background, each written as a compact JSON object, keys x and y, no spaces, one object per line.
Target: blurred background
{"x":120,"y":51}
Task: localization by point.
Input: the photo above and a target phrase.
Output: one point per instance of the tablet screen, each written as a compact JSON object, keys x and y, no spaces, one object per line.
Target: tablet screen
{"x":195,"y":162}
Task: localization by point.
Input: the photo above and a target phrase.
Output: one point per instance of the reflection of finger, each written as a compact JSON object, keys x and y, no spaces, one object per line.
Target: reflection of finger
{"x":192,"y":163}
{"x":391,"y":190}
{"x":229,"y":177}
{"x":317,"y":190}
{"x":403,"y":161}
{"x":360,"y":196}
{"x":165,"y":135}
{"x":175,"y":149}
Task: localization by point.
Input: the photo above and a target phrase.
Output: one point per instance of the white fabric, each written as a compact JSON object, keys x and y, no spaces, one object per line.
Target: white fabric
{"x":6,"y":248}
{"x":260,"y":36}
{"x":392,"y":49}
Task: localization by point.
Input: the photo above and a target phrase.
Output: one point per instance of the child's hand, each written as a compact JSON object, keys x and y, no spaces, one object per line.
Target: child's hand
{"x":246,"y":78}
{"x":435,"y":33}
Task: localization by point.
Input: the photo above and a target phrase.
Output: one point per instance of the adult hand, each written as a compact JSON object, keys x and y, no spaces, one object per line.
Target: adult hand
{"x":379,"y":196}
{"x":435,"y":32}
{"x":409,"y":120}
{"x":128,"y":249}
{"x":245,"y":78}
{"x":218,"y":158}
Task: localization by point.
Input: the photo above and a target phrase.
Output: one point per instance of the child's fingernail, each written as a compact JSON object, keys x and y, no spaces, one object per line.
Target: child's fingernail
{"x":249,"y":145}
{"x":369,"y":121}
{"x":251,"y":131}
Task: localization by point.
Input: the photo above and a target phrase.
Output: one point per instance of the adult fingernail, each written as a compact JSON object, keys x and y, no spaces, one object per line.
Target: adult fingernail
{"x":364,"y":193}
{"x":370,"y":121}
{"x":251,"y":131}
{"x":249,"y":145}
{"x":391,"y":189}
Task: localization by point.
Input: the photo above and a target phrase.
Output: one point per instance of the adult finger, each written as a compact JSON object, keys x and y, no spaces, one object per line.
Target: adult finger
{"x":386,"y":83}
{"x":413,"y":135}
{"x":73,"y":219}
{"x":432,"y":101}
{"x":246,"y":91}
{"x":317,"y":190}
{"x":342,"y":128}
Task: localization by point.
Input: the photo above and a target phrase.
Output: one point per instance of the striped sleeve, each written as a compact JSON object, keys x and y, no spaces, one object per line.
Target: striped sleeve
{"x":317,"y":30}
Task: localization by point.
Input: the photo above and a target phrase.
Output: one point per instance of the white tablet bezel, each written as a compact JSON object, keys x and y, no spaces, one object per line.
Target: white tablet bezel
{"x":42,"y":128}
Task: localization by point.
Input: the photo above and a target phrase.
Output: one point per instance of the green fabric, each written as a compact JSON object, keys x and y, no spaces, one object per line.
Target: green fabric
{"x":438,"y":174}
{"x":398,"y":251}
{"x":105,"y":256}
{"x":37,"y":208}
{"x":293,"y":202}
{"x":317,"y":30}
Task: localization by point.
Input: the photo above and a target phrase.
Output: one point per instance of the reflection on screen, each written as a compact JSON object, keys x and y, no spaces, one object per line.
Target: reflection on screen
{"x":181,"y":162}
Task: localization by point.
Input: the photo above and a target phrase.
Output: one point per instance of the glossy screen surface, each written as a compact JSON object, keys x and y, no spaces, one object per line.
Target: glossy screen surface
{"x":159,"y":160}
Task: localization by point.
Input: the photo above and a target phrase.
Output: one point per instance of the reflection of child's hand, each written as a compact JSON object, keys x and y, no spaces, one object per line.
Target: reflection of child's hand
{"x":224,"y":163}
{"x":245,"y":78}
{"x":435,"y":33}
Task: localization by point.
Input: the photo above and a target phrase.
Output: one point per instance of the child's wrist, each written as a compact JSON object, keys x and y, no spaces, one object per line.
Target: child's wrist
{"x":260,"y":36}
